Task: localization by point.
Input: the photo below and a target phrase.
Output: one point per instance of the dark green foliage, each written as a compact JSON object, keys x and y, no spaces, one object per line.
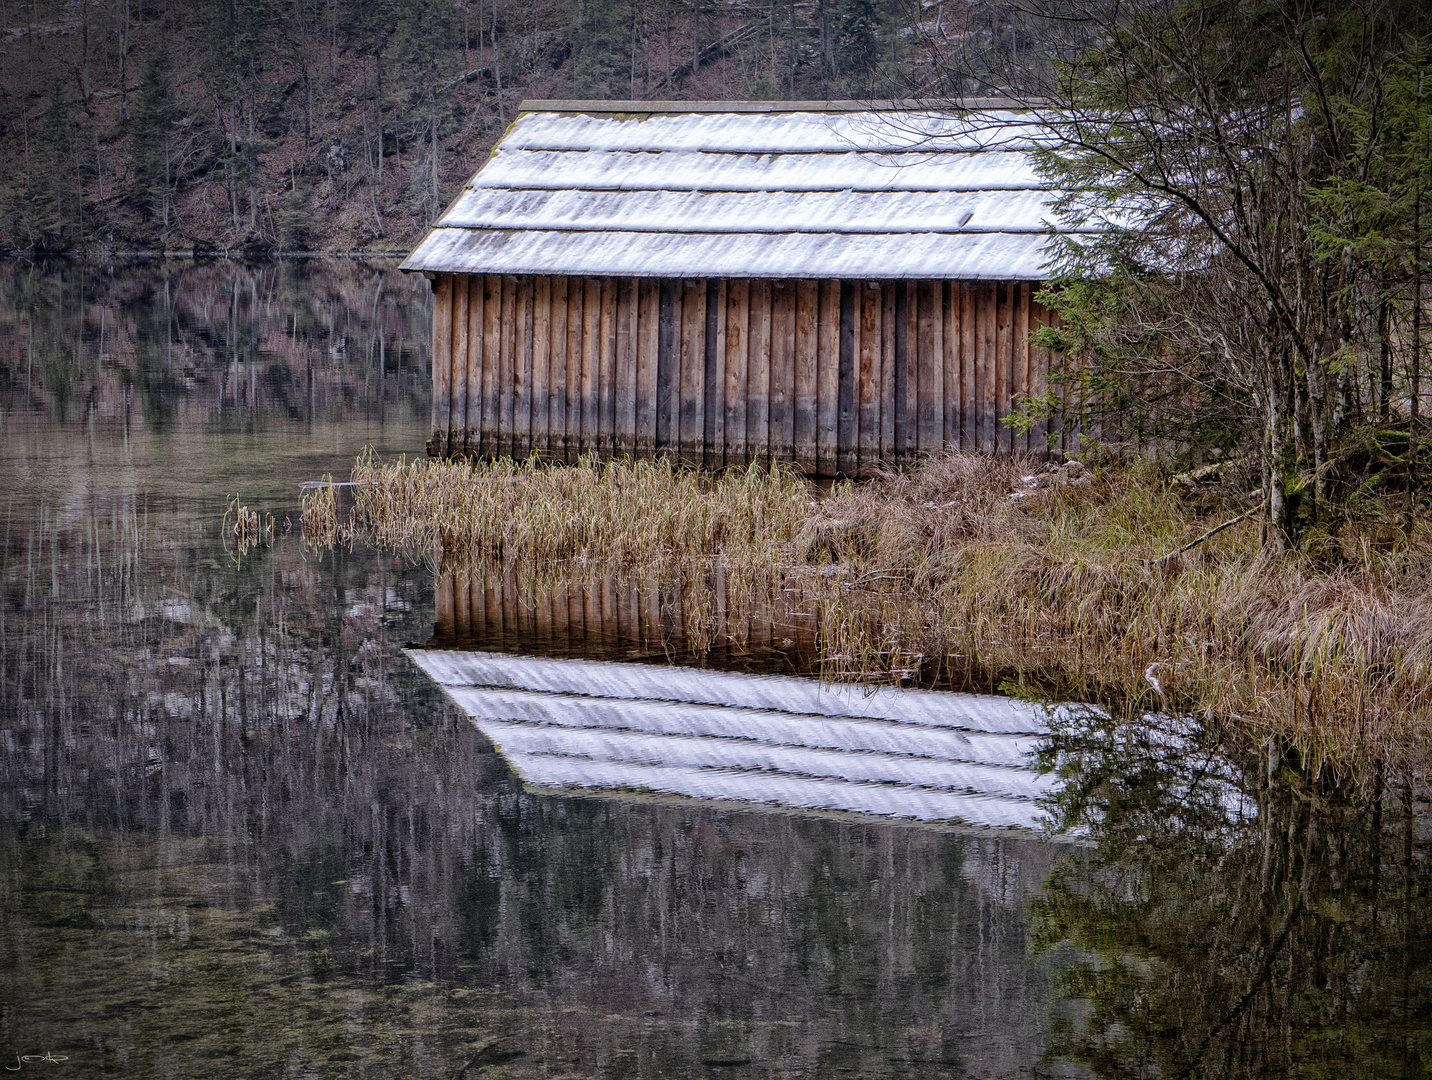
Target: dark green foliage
{"x":47,"y":210}
{"x":151,"y":141}
{"x":604,"y":37}
{"x":1255,"y":173}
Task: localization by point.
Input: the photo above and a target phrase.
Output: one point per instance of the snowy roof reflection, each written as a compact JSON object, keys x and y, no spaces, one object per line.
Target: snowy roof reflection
{"x":774,"y":740}
{"x":787,"y":189}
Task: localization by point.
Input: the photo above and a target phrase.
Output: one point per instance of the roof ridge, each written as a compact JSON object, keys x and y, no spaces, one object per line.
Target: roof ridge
{"x":835,"y":106}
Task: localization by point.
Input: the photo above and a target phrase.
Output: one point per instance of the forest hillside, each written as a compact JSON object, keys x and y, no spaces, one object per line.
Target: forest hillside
{"x":346,"y":125}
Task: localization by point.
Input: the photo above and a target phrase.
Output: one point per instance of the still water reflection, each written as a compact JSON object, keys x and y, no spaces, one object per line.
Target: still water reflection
{"x":242,"y":834}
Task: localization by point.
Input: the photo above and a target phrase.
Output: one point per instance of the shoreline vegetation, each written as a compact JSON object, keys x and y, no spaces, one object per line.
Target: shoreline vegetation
{"x":1051,"y":582}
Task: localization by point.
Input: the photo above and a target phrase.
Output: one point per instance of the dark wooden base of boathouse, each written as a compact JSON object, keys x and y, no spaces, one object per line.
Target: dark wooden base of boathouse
{"x":837,"y":377}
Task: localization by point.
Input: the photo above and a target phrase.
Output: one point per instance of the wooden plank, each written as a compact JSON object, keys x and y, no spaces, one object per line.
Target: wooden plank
{"x":444,"y":603}
{"x":668,"y":365}
{"x":807,"y":367}
{"x":508,"y":387}
{"x":950,"y":309}
{"x":987,"y":362}
{"x":693,"y":371}
{"x":492,"y":609}
{"x":457,"y":414}
{"x":758,"y":374}
{"x":868,"y":376}
{"x":476,"y":592}
{"x":649,"y":608}
{"x":969,"y":383}
{"x":576,"y":319}
{"x":827,"y":377}
{"x":625,"y":386}
{"x":1022,"y":384}
{"x":714,"y":383}
{"x":648,"y":328}
{"x":847,"y":423}
{"x":526,"y":612}
{"x":541,"y":362}
{"x":591,"y":359}
{"x":912,"y":369}
{"x":607,"y":371}
{"x":492,"y":361}
{"x":1005,"y":352}
{"x":542,"y":617}
{"x":783,"y":370}
{"x":887,"y":372}
{"x":929,"y":322}
{"x":738,"y":312}
{"x":522,"y":373}
{"x":576,"y":616}
{"x":900,"y":379}
{"x":557,"y":375}
{"x":631,"y":611}
{"x":442,"y":363}
{"x":561,"y":635}
{"x":516,"y":612}
{"x":472,"y":422}
{"x":462,"y":596}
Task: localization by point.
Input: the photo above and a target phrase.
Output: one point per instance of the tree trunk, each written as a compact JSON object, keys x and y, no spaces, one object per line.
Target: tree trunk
{"x":1414,"y":376}
{"x":1384,"y":382}
{"x":1285,"y":481}
{"x":123,"y":53}
{"x":497,"y":70}
{"x":437,"y":203}
{"x":84,"y":54}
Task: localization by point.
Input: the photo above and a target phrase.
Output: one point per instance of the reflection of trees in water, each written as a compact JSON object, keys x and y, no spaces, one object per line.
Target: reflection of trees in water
{"x":236,"y":800}
{"x":1245,"y":912}
{"x":189,"y":341}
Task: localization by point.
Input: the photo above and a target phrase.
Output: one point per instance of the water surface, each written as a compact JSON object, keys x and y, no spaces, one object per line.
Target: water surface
{"x":242,"y":834}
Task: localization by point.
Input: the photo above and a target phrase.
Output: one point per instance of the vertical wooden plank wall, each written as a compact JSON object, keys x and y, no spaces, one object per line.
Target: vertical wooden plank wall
{"x":838,"y":377}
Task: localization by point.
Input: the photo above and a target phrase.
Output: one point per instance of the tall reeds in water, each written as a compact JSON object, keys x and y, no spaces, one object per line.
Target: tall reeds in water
{"x":640,"y":512}
{"x":969,"y":572}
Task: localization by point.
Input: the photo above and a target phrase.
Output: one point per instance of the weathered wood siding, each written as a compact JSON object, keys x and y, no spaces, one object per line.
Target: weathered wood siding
{"x":838,"y":377}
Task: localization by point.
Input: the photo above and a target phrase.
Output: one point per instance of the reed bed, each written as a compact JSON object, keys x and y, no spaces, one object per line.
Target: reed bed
{"x":323,"y":529}
{"x":627,"y":513}
{"x":973,"y":572}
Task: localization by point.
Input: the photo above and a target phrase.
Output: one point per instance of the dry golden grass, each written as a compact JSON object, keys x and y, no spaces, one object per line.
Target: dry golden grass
{"x":1064,"y":590}
{"x":639,"y":512}
{"x":322,"y":529}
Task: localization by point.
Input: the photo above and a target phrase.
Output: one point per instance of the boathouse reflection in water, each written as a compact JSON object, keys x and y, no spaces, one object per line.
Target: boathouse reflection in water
{"x":241,"y":834}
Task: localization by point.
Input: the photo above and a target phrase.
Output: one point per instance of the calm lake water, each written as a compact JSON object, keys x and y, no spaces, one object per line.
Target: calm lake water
{"x":243,"y":834}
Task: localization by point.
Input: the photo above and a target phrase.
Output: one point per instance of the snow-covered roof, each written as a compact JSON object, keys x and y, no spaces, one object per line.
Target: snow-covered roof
{"x":752,"y":189}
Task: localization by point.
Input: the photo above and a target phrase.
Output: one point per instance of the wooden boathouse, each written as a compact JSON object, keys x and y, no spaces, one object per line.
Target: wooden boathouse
{"x":838,"y":285}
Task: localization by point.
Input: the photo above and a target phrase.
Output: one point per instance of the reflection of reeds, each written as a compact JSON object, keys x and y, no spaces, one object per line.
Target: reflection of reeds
{"x":943,"y":575}
{"x":244,"y":528}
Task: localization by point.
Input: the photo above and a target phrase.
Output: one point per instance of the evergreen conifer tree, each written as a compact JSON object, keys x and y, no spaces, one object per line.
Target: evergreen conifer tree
{"x":150,"y":147}
{"x":50,"y":208}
